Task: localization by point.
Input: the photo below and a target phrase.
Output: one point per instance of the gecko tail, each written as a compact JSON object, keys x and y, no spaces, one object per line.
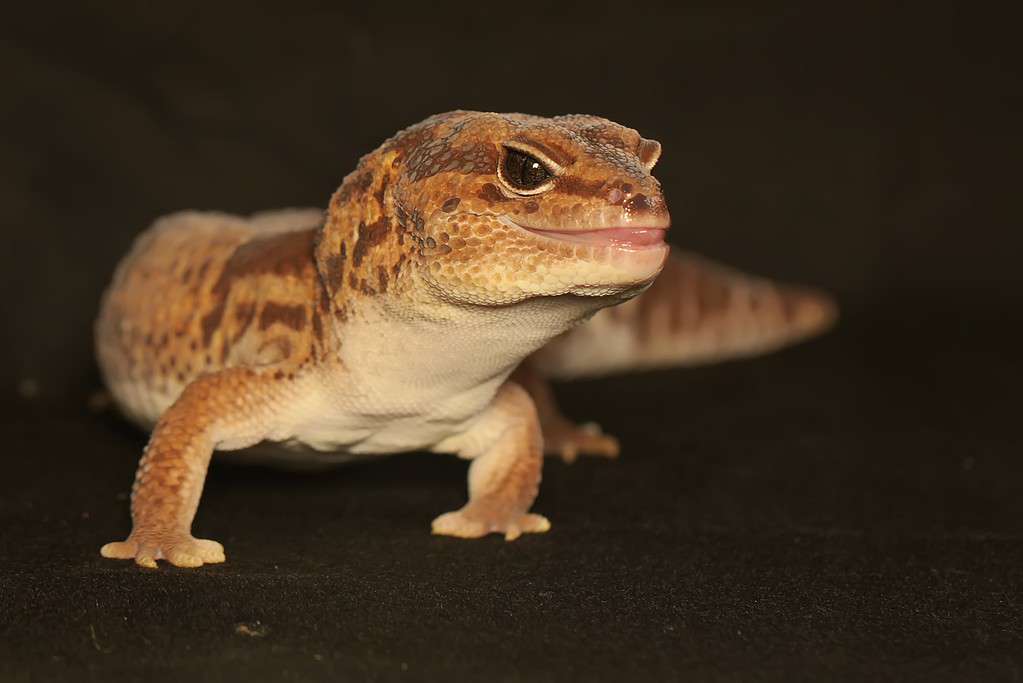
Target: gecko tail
{"x":696,"y":312}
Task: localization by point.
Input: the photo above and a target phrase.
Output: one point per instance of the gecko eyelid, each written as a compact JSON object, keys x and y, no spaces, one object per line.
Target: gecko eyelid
{"x":536,"y":152}
{"x":523,"y":172}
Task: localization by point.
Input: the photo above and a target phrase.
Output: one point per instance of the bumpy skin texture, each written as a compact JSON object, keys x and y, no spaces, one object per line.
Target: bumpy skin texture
{"x":392,"y":321}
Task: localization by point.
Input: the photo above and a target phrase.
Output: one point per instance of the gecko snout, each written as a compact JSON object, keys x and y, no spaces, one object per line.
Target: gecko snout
{"x":639,"y":205}
{"x":647,"y":210}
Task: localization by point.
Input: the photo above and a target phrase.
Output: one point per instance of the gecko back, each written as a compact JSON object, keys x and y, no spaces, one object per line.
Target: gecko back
{"x":200,"y":292}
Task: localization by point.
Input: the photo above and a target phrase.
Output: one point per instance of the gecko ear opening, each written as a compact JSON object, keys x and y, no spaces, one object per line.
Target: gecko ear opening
{"x":648,"y":151}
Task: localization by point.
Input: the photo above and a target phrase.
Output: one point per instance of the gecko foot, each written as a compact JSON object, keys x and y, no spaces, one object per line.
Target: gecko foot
{"x":180,"y":550}
{"x":568,"y":441}
{"x":481,"y":517}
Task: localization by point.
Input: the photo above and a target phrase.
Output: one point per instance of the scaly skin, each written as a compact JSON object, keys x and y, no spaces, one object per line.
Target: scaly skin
{"x":392,"y":321}
{"x":391,"y":324}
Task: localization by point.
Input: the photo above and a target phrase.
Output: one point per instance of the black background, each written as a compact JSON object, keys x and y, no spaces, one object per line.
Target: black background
{"x":848,"y":509}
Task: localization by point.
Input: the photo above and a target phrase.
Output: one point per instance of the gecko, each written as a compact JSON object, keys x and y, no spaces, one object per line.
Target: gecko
{"x":461,"y":265}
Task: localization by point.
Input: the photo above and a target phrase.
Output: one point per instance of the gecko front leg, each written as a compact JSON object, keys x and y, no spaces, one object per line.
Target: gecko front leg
{"x":230,"y":409}
{"x":504,"y":477}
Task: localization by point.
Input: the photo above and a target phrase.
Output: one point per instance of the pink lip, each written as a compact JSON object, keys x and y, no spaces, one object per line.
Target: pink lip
{"x":623,"y":238}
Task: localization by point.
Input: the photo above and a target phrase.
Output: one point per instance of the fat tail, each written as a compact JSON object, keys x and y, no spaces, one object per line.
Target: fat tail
{"x":696,"y":312}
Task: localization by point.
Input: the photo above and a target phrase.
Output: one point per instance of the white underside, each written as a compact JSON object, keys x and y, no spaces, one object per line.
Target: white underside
{"x":408,"y":385}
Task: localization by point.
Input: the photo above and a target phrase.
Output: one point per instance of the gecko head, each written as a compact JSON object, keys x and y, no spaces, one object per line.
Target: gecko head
{"x":507,"y":207}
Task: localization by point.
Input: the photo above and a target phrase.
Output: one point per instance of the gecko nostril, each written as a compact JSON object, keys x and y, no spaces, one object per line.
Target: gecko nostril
{"x":638,"y":203}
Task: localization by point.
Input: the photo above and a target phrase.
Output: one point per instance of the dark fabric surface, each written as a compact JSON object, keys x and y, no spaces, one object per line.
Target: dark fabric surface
{"x":846,"y":510}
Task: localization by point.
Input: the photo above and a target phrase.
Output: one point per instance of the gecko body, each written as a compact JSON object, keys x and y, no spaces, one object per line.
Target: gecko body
{"x":392,"y":320}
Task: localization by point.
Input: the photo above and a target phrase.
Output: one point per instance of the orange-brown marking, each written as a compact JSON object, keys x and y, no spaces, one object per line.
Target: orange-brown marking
{"x":369,"y":236}
{"x":293,"y":316}
{"x":285,"y":254}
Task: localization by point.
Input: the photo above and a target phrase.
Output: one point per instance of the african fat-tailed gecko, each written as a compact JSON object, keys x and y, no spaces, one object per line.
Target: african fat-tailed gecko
{"x":461,"y":247}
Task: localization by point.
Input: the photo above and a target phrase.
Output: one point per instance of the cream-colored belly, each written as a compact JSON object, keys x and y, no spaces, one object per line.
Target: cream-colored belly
{"x":397,"y":387}
{"x":333,"y":425}
{"x":367,"y":405}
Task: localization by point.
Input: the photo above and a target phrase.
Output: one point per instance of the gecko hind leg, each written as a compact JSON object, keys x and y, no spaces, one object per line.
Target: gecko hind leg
{"x":561,"y":437}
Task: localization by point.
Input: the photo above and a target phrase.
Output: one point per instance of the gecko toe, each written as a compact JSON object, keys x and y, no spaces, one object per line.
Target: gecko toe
{"x":182,"y":558}
{"x":529,"y":523}
{"x":146,"y":561}
{"x":210,"y":551}
{"x":459,"y":525}
{"x":118,"y":550}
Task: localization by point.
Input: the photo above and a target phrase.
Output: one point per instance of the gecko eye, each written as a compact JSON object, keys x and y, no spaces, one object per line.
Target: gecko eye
{"x":522,"y":173}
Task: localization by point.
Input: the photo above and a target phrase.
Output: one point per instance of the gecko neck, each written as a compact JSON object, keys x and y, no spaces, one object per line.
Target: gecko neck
{"x":455,"y":348}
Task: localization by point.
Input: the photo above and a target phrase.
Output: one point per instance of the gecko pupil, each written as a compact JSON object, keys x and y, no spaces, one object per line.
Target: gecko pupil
{"x":522,"y":171}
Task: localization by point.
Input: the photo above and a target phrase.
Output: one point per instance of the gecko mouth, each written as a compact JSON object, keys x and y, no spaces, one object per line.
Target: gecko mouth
{"x":606,"y":257}
{"x":631,"y":239}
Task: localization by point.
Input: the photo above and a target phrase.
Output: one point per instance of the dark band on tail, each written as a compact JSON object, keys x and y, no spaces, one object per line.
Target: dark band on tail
{"x":696,"y":312}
